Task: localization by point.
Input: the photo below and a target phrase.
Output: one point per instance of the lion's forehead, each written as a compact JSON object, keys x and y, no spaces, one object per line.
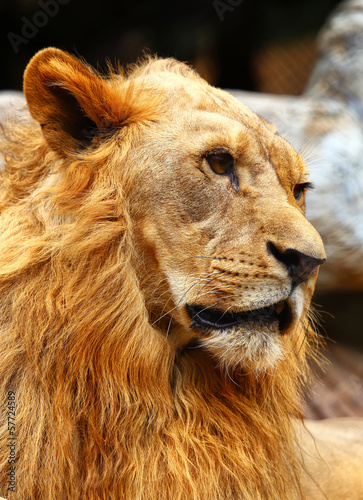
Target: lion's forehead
{"x":213,"y":118}
{"x":193,"y":135}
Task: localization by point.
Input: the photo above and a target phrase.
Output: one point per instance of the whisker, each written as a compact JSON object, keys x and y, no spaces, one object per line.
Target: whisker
{"x":180,"y":300}
{"x":200,"y":257}
{"x":169,"y":325}
{"x":230,"y":378}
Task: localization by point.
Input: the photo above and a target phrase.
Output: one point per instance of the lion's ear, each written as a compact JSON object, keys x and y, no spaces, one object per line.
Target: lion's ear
{"x":70,"y":101}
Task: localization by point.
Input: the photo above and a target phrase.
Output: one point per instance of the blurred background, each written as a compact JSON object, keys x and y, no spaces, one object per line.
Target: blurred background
{"x":258,"y":45}
{"x":263,"y":45}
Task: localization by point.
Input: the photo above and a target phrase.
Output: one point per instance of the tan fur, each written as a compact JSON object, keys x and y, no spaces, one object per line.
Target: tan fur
{"x":332,"y":454}
{"x":112,"y":222}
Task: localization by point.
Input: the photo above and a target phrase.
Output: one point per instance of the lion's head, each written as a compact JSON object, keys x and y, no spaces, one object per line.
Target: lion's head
{"x":153,"y":240}
{"x":224,"y":254}
{"x":228,"y":257}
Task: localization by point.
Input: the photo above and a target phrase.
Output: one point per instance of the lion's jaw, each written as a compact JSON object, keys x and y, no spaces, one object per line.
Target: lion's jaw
{"x":212,"y":251}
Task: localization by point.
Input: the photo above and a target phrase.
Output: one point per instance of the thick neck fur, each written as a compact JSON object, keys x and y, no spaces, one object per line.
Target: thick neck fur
{"x":105,"y":407}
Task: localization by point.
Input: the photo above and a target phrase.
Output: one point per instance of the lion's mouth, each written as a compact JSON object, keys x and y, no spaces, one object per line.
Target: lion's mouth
{"x":206,"y":319}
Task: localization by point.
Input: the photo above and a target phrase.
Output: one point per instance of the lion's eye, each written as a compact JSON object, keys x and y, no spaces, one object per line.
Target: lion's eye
{"x":223,"y":164}
{"x":300,"y":189}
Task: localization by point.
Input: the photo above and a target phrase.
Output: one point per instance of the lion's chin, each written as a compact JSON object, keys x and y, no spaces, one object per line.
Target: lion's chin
{"x":253,"y":349}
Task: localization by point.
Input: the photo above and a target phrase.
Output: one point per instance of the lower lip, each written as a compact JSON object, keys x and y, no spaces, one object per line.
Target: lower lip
{"x":211,"y":320}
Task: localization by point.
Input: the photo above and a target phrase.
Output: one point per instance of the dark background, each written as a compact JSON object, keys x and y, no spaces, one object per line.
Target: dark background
{"x":223,"y":39}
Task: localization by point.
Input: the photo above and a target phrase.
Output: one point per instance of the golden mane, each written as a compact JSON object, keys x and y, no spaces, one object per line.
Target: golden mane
{"x":106,"y":407}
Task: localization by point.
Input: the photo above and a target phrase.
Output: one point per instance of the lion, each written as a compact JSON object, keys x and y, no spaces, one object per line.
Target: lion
{"x":156,"y":277}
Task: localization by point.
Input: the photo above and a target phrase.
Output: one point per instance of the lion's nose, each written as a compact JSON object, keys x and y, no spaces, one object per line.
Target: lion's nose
{"x":298,"y":264}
